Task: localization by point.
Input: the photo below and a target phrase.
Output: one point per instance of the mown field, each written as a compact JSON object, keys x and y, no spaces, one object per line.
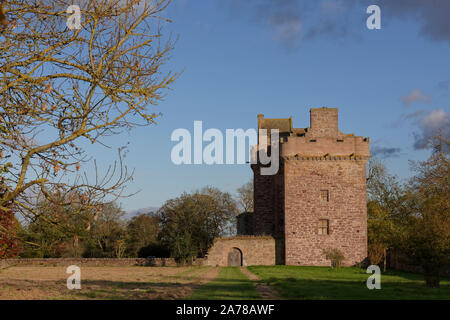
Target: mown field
{"x":257,"y":282}
{"x":36,"y":282}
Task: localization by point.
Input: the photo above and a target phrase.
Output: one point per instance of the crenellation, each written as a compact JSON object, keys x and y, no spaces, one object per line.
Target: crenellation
{"x":288,"y":205}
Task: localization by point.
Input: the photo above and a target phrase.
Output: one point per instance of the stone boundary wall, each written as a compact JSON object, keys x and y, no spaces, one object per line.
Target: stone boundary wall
{"x":93,"y":262}
{"x":256,"y":250}
{"x":399,"y":261}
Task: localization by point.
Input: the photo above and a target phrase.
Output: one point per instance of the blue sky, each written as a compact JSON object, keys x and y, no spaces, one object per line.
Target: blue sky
{"x":281,"y":58}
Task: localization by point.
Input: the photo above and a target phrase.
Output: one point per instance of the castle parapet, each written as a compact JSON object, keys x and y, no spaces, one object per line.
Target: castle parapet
{"x":324,"y":122}
{"x":322,"y":138}
{"x":321,"y":146}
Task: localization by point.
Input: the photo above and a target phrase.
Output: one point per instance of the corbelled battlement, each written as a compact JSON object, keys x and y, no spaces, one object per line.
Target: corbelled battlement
{"x":321,"y":139}
{"x":317,"y":200}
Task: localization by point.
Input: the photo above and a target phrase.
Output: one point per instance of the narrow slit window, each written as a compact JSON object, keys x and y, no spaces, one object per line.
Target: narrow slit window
{"x":324,"y":196}
{"x":324,"y":227}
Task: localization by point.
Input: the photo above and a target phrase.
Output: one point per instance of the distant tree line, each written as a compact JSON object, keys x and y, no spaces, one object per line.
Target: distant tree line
{"x":59,"y":233}
{"x":412,"y":218}
{"x":190,"y":222}
{"x":183,"y":228}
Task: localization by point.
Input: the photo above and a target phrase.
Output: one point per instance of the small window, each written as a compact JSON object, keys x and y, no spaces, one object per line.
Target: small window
{"x":340,"y":140}
{"x":324,"y":195}
{"x":313,"y":140}
{"x":323,"y":226}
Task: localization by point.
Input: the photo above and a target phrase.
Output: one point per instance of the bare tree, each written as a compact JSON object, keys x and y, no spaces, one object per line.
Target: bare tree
{"x":61,"y":89}
{"x":245,"y":197}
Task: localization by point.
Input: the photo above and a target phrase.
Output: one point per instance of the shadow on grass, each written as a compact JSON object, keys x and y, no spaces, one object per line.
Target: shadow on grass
{"x":171,"y":287}
{"x":226,"y":290}
{"x":230,"y":284}
{"x":309,"y":289}
{"x":104,"y":289}
{"x":290,"y":283}
{"x":299,"y":282}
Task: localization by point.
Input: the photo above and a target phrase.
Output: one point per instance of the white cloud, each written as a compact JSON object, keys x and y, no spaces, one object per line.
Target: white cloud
{"x":415,"y":96}
{"x":287,"y":29}
{"x":435,"y":122}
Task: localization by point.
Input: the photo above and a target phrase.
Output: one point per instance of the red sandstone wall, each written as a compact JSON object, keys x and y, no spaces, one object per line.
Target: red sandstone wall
{"x":324,"y":145}
{"x":288,"y":205}
{"x":324,"y":122}
{"x":93,"y":262}
{"x":345,"y":210}
{"x":255,"y":250}
{"x":269,"y":208}
{"x":264,"y":202}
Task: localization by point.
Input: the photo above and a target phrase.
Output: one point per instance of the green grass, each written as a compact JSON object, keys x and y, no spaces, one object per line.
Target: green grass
{"x":192,"y":273}
{"x":293,"y":282}
{"x":231,"y":283}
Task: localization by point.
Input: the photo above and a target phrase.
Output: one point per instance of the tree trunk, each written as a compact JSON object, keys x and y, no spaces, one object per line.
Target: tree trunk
{"x":432,"y":278}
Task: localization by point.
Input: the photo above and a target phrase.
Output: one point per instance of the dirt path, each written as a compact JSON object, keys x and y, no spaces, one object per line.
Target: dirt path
{"x":264,"y":290}
{"x":192,"y":279}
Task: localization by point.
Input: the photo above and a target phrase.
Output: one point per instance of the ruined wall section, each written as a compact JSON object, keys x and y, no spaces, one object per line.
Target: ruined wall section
{"x":255,"y":250}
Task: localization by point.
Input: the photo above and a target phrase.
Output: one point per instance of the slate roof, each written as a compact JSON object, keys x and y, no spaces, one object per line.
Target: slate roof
{"x":284,"y":125}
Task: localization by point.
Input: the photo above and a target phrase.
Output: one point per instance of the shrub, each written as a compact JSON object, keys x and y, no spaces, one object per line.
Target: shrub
{"x":376,"y":253}
{"x":155,"y":250}
{"x":335,"y":256}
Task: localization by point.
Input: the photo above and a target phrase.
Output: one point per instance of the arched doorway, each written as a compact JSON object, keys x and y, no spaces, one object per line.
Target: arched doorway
{"x":235,"y":257}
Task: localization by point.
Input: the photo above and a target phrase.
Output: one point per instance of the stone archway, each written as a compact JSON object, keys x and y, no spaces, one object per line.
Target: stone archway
{"x":234,"y":257}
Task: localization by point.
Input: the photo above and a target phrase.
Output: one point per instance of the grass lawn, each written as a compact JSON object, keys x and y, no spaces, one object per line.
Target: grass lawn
{"x":231,"y":283}
{"x":293,"y":282}
{"x":132,"y":282}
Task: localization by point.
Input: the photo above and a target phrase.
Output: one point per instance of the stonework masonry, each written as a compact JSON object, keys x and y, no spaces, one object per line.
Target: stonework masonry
{"x":90,"y":262}
{"x":317,"y":200}
{"x":244,"y":223}
{"x":94,"y":262}
{"x":251,"y":250}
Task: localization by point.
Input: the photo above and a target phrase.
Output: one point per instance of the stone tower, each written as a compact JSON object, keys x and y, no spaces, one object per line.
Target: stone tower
{"x":317,"y":200}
